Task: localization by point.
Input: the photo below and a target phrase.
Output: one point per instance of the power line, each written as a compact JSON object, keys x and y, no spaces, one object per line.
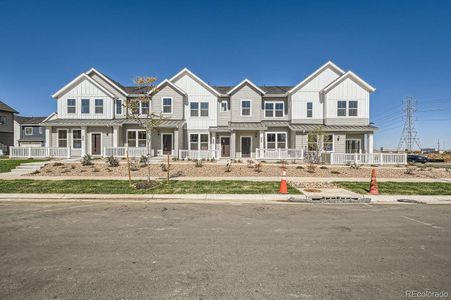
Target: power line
{"x":409,"y":134}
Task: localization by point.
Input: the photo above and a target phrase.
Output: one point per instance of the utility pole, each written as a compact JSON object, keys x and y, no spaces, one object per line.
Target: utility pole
{"x":409,"y":137}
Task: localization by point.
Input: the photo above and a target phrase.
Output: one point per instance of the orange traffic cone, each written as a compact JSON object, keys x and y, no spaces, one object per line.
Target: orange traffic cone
{"x":374,"y":189}
{"x":283,"y":183}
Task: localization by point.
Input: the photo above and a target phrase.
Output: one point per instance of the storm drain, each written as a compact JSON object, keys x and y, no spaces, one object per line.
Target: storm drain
{"x":330,"y":200}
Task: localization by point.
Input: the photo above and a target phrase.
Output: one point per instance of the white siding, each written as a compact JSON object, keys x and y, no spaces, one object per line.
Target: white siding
{"x":197,"y":93}
{"x":85,"y":90}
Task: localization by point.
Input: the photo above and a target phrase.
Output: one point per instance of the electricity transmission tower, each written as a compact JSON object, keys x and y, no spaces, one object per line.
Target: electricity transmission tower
{"x":409,"y":137}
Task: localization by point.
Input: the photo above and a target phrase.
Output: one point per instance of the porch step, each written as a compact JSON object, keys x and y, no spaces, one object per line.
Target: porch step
{"x":27,"y":168}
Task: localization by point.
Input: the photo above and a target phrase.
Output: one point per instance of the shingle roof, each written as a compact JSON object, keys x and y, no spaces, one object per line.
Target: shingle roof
{"x":276,"y":89}
{"x":29,"y":120}
{"x":5,"y":107}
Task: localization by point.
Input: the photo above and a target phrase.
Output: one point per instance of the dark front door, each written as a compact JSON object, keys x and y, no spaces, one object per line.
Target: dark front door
{"x":96,"y":144}
{"x":246,"y":146}
{"x":225,"y":147}
{"x":167,"y":143}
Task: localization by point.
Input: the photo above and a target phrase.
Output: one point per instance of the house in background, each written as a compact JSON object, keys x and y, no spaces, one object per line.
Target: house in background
{"x":28,"y":132}
{"x":6,"y":127}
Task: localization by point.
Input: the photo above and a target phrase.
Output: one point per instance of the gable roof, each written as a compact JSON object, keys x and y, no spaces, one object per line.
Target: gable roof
{"x":29,"y":120}
{"x":112,"y":82}
{"x":327,"y":65}
{"x":82,"y":76}
{"x":194,"y":76}
{"x":246,"y":81}
{"x":269,"y":89}
{"x":182,"y":92}
{"x":6,"y":107}
{"x":352,"y":76}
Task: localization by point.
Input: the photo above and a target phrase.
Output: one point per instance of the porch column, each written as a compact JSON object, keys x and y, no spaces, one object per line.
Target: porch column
{"x":213,"y":145}
{"x":370,"y":145}
{"x":232,"y":144}
{"x":262,"y":140}
{"x":48,"y":137}
{"x":83,"y":140}
{"x":176,"y":143}
{"x":115,"y":136}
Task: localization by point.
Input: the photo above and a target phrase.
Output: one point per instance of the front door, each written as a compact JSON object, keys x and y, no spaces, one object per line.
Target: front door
{"x":225,"y":146}
{"x":96,"y":144}
{"x":167,"y":143}
{"x":246,"y":146}
{"x":352,"y":146}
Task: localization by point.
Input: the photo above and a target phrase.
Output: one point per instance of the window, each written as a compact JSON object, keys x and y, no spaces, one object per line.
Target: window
{"x":167,"y":105}
{"x":3,"y":120}
{"x":136,"y":138}
{"x":309,"y":109}
{"x":274,"y":109}
{"x":118,"y":107}
{"x":224,"y":106}
{"x":145,"y":107}
{"x":269,"y":109}
{"x":71,"y":106}
{"x":99,"y":106}
{"x":28,"y":130}
{"x":352,"y":111}
{"x":341,"y":108}
{"x":246,"y":108}
{"x":194,"y":108}
{"x":85,"y":106}
{"x":134,"y":107}
{"x":276,"y":140}
{"x":198,"y":141}
{"x":76,"y":139}
{"x":312,"y":141}
{"x":62,"y":138}
{"x":204,"y":109}
{"x":279,"y":109}
{"x":40,"y":130}
{"x":328,"y":142}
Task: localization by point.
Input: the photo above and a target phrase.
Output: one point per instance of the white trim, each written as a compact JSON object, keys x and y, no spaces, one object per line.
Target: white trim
{"x":74,"y":106}
{"x":155,"y":90}
{"x":185,"y":70}
{"x":241,"y":108}
{"x":328,"y":64}
{"x":241,"y":145}
{"x":333,"y":142}
{"x":95,"y":106}
{"x":25,"y":130}
{"x":49,"y":117}
{"x":274,"y":109}
{"x":72,"y":139}
{"x":199,"y":109}
{"x":220,"y":145}
{"x":244,"y":82}
{"x":162,"y":108}
{"x":227,"y":106}
{"x":355,"y":140}
{"x":108,"y":80}
{"x":276,"y":141}
{"x":172,"y":140}
{"x":136,"y":130}
{"x":352,"y":76}
{"x":101,"y":143}
{"x":198,"y":141}
{"x":58,"y":137}
{"x":78,"y":78}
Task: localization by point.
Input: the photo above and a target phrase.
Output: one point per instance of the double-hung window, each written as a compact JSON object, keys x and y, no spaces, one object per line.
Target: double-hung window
{"x":3,"y":120}
{"x":309,"y":109}
{"x":145,"y":105}
{"x":28,"y":130}
{"x":276,"y":140}
{"x":167,"y":105}
{"x":246,"y":108}
{"x":278,"y":109}
{"x":85,"y":106}
{"x":76,"y":139}
{"x":224,"y":106}
{"x":341,"y":108}
{"x":136,"y":138}
{"x":312,"y":142}
{"x":71,"y":106}
{"x":98,"y":106}
{"x":352,"y":108}
{"x":199,"y":109}
{"x":328,"y":142}
{"x":269,"y":109}
{"x":118,"y":107}
{"x":198,"y":141}
{"x":274,"y":109}
{"x":194,"y":109}
{"x":204,"y":109}
{"x":62,"y":138}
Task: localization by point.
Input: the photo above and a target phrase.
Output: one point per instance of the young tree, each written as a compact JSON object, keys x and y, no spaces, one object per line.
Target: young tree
{"x":139,"y":110}
{"x":315,"y":145}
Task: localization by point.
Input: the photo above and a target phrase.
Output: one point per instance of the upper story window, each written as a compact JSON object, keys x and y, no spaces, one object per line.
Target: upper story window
{"x":71,"y":109}
{"x":167,"y":105}
{"x":28,"y":130}
{"x":309,"y":109}
{"x":246,"y":108}
{"x":352,"y":108}
{"x":194,"y":109}
{"x":76,"y":139}
{"x":199,"y":109}
{"x":62,"y":138}
{"x":40,"y":130}
{"x":341,"y":108}
{"x":274,"y":109}
{"x":118,"y":107}
{"x":99,"y":106}
{"x":85,"y":106}
{"x":204,"y":109}
{"x":3,"y":120}
{"x":145,"y":107}
{"x":224,"y":106}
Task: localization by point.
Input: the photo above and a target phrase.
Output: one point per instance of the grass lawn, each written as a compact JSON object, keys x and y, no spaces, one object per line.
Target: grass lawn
{"x":400,"y":188}
{"x":122,"y":187}
{"x":7,"y":165}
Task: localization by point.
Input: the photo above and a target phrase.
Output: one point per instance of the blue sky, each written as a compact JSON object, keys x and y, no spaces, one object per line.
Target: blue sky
{"x":403,"y":48}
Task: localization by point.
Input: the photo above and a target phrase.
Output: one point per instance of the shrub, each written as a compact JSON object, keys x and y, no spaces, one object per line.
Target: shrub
{"x":335,"y":172}
{"x":250,"y":163}
{"x":164,"y":167}
{"x":109,"y":170}
{"x":355,"y":166}
{"x":134,"y":166}
{"x":112,"y":161}
{"x":198,"y":163}
{"x":258,"y":167}
{"x":96,"y":170}
{"x":409,"y":171}
{"x":58,"y":164}
{"x":143,"y":160}
{"x":311,"y":168}
{"x":300,"y":167}
{"x":73,"y":167}
{"x":228,"y":166}
{"x":323,"y":168}
{"x":86,"y":160}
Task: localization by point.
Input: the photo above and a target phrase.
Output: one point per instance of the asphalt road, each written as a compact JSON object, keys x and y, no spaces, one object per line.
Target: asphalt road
{"x":194,"y":251}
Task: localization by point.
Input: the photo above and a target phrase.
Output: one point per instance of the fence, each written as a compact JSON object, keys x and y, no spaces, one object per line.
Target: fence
{"x":279,"y":154}
{"x":198,"y":154}
{"x":368,"y":158}
{"x":38,"y":152}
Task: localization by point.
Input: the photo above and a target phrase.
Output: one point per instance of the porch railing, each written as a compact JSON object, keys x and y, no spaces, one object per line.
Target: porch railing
{"x":121,"y":151}
{"x":368,"y":158}
{"x":39,"y":152}
{"x":198,"y":154}
{"x":279,"y":154}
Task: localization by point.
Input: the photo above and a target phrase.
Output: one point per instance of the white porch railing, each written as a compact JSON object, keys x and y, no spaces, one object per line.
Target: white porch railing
{"x":39,"y":152}
{"x":368,"y":158}
{"x":279,"y":154}
{"x":121,"y":151}
{"x":198,"y":154}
